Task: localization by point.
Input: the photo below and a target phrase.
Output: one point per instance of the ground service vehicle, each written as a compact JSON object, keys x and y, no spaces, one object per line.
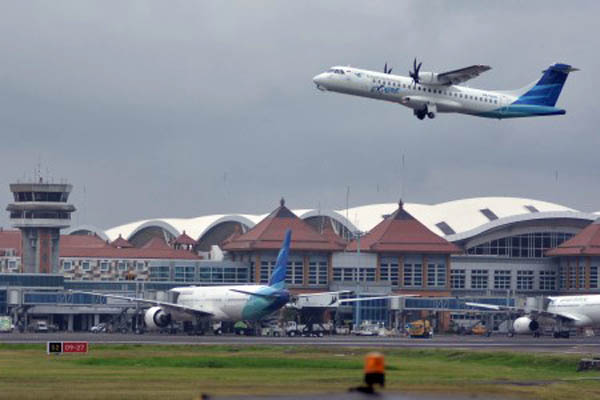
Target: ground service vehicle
{"x":420,"y":329}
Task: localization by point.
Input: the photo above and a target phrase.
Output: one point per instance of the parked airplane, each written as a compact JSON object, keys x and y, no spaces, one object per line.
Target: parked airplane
{"x":227,"y":303}
{"x":569,"y":311}
{"x":219,"y":303}
{"x":428,"y":93}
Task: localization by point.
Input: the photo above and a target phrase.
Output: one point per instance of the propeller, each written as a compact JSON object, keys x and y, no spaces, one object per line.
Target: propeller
{"x":415,"y":74}
{"x":386,"y":70}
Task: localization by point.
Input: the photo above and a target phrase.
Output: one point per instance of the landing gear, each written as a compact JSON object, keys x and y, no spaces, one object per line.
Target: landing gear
{"x":420,"y":114}
{"x":428,"y":111}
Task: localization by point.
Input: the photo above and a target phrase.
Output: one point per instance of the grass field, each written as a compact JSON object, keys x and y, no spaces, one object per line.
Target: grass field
{"x":184,"y":372}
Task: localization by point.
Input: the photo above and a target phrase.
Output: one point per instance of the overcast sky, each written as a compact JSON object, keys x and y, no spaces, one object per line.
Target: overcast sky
{"x":181,"y":109}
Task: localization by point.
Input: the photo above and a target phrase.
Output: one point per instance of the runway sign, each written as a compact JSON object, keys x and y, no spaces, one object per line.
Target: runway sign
{"x":66,"y":347}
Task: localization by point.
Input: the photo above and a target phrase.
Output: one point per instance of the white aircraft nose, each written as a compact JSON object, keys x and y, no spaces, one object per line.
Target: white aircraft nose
{"x":319,"y":80}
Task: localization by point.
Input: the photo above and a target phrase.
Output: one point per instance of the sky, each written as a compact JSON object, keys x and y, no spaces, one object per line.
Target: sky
{"x":186,"y":108}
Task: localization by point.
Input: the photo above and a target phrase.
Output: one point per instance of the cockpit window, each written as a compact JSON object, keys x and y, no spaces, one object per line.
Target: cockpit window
{"x":336,"y":71}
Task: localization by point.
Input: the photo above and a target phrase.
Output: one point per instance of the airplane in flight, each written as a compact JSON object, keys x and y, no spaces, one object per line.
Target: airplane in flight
{"x":577,"y":311}
{"x":229,"y":303}
{"x":429,"y":93}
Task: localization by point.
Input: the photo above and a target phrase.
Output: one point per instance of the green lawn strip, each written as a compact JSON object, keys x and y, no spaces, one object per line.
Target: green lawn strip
{"x":131,"y":371}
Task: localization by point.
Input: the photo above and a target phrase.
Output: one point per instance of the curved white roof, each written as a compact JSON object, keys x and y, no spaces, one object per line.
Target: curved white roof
{"x":464,"y":217}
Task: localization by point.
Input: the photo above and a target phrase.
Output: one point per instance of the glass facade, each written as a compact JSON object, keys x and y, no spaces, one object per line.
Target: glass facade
{"x":375,"y":311}
{"x":530,"y":245}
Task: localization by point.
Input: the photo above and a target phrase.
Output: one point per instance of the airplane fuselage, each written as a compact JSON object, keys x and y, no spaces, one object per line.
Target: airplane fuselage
{"x":228,"y":305}
{"x":427,"y":99}
{"x":585,"y":307}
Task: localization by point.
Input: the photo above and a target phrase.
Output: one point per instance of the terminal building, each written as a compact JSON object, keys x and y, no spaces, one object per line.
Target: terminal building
{"x":495,"y":248}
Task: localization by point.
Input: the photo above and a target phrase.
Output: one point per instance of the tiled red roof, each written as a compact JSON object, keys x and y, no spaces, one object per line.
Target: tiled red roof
{"x":402,"y":233}
{"x":86,"y":246}
{"x":120,"y":242}
{"x":269,"y":233}
{"x":585,"y":243}
{"x":185,"y":239}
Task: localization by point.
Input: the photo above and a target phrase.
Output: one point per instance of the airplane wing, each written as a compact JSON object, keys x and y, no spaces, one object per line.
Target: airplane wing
{"x":376,"y":298}
{"x":163,"y":304}
{"x":274,"y":295}
{"x":570,"y":317}
{"x":462,"y":74}
{"x":322,"y":293}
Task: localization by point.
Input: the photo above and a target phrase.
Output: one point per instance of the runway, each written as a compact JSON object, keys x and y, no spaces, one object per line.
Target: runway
{"x":582,"y":345}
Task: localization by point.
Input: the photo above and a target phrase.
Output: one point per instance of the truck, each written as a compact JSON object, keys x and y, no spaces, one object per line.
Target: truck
{"x":6,"y":325}
{"x":420,"y":329}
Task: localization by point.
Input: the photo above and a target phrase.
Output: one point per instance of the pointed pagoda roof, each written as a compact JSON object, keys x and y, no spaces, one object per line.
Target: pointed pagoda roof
{"x":269,"y":233}
{"x":402,"y":233}
{"x":122,"y":243}
{"x":585,"y":243}
{"x":185,"y":239}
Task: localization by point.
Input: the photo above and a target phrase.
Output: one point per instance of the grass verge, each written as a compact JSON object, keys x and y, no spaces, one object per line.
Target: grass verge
{"x":184,"y":372}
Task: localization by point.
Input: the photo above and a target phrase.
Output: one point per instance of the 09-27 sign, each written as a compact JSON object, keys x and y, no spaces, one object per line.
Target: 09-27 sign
{"x":66,"y":347}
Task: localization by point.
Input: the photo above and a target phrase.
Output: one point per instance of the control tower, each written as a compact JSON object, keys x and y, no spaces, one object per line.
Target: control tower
{"x":39,"y":211}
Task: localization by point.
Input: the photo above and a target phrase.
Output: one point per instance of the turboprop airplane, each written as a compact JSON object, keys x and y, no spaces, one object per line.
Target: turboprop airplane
{"x":429,"y":93}
{"x":569,"y":311}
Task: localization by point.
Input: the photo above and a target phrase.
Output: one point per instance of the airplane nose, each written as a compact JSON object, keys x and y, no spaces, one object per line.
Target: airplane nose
{"x":319,"y":80}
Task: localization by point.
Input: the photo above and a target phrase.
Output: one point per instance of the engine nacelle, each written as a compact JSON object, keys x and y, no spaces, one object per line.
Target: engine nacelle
{"x":429,"y":78}
{"x":156,"y":317}
{"x":525,"y":325}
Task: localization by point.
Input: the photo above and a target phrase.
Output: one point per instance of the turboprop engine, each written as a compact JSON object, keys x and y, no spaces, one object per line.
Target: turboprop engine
{"x":525,"y":325}
{"x":156,"y":317}
{"x":429,"y":78}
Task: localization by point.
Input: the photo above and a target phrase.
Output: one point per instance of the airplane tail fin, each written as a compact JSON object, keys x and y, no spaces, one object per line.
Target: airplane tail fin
{"x":277,"y":280}
{"x":545,"y":92}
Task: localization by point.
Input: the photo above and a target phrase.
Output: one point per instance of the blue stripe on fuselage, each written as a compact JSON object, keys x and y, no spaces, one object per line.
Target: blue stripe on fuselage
{"x":521,"y":110}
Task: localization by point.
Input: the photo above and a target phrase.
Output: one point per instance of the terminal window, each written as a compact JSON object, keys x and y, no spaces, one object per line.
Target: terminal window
{"x":317,"y":273}
{"x":458,"y":278}
{"x":547,"y":280}
{"x":524,"y":280}
{"x":594,"y":277}
{"x":479,"y":279}
{"x":388,"y":269}
{"x":413,"y":275}
{"x":436,"y":275}
{"x":502,"y":279}
{"x":530,"y":245}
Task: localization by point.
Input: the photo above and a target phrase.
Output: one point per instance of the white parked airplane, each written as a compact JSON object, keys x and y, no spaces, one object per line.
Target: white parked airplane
{"x":569,"y":311}
{"x":219,"y":303}
{"x":428,"y":93}
{"x":228,"y":303}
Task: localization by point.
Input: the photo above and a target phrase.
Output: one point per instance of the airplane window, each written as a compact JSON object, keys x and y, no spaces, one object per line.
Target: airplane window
{"x":429,"y":90}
